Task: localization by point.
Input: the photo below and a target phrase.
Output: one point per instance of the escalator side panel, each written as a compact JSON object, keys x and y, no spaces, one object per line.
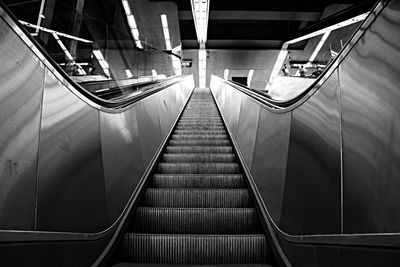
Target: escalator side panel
{"x":247,"y":128}
{"x":312,"y":196}
{"x":122,"y":156}
{"x":149,"y":120}
{"x":21,"y":89}
{"x":370,"y":82}
{"x":70,"y":182}
{"x":269,"y":159}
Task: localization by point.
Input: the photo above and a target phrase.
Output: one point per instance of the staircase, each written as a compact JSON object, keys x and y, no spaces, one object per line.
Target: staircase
{"x":197,"y":209}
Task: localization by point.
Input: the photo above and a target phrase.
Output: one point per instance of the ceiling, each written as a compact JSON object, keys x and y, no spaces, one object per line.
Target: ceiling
{"x":262,"y":24}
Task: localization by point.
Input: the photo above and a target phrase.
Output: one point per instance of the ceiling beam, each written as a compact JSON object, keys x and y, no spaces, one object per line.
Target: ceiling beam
{"x":256,"y":15}
{"x":235,"y":44}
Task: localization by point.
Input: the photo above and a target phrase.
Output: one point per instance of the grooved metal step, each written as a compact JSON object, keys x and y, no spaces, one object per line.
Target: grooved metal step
{"x":199,"y":142}
{"x":199,"y":157}
{"x":197,"y":208}
{"x":199,"y":149}
{"x":195,"y":249}
{"x":200,"y":127}
{"x":196,"y":167}
{"x":196,"y":198}
{"x":197,"y":221}
{"x":200,"y":132}
{"x":195,"y":136}
{"x":197,"y":181}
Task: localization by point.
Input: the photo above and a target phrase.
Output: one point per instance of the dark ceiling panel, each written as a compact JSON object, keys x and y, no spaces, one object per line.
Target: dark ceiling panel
{"x":188,"y":31}
{"x":252,"y":30}
{"x":264,"y":5}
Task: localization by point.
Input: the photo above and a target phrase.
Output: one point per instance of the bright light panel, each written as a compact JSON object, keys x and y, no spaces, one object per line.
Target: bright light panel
{"x":200,"y":10}
{"x":132,"y":23}
{"x":103,"y":63}
{"x":167,"y":38}
{"x":250,"y":77}
{"x":202,"y":68}
{"x":128,"y":73}
{"x":226,"y":74}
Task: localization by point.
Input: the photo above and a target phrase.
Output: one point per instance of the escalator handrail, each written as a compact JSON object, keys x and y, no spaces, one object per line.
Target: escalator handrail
{"x":86,"y":96}
{"x":283,"y":106}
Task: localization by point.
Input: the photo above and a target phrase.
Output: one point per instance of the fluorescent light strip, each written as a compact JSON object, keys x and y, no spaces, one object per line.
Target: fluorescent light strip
{"x":128,"y":73}
{"x":56,"y":32}
{"x":250,"y":77}
{"x":68,"y":54}
{"x":200,"y":10}
{"x":202,"y":68}
{"x":167,"y":37}
{"x":132,"y":23}
{"x":103,"y":63}
{"x":319,"y":46}
{"x":226,"y":74}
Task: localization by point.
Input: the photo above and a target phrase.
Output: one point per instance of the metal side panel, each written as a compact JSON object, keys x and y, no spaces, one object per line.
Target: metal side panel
{"x":21,"y":89}
{"x":122,"y":158}
{"x":311,"y":203}
{"x":71,"y":187}
{"x":370,"y":79}
{"x":247,"y":128}
{"x":234,"y":104}
{"x":168,"y":107}
{"x":148,"y":117}
{"x":270,"y":158}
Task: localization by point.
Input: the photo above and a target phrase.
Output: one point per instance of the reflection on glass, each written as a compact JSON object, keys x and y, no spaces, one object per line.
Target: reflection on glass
{"x":100,"y":42}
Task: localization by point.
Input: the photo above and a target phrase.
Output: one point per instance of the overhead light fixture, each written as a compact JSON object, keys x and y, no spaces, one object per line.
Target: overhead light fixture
{"x":103,"y":63}
{"x":128,"y":73}
{"x":250,"y":77}
{"x":200,"y":10}
{"x":68,"y":54}
{"x":167,"y":37}
{"x":132,"y":23}
{"x":226,"y":74}
{"x":202,"y":67}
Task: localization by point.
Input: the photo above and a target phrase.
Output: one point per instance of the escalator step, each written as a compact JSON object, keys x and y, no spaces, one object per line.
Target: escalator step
{"x":195,"y":136}
{"x":196,"y":198}
{"x":199,"y":157}
{"x":195,"y":168}
{"x":197,"y":221}
{"x":194,"y":123}
{"x":199,"y":142}
{"x":200,"y":132}
{"x":200,"y":127}
{"x":199,"y":149}
{"x":195,"y":249}
{"x":197,"y":181}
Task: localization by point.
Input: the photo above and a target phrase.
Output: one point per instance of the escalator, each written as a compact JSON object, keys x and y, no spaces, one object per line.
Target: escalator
{"x":223,"y":177}
{"x":197,"y":208}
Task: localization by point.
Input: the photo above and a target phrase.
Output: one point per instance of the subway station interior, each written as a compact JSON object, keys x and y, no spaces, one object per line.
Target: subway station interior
{"x":200,"y":133}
